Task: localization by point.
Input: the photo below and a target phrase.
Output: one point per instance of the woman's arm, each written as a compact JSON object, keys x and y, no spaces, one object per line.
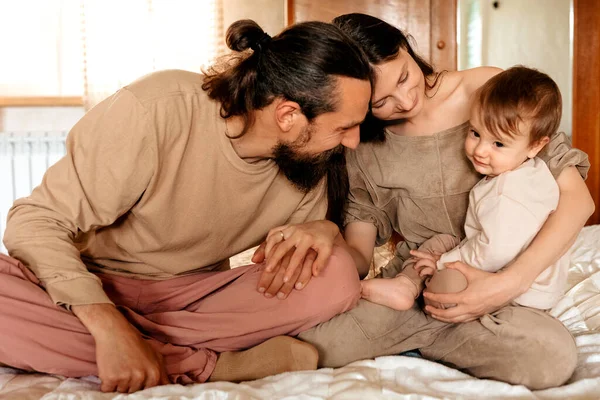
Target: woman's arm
{"x":360,"y":242}
{"x":559,"y":232}
{"x":487,"y":292}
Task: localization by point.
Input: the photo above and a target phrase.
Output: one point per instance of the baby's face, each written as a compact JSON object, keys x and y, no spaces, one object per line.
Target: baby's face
{"x":492,"y":155}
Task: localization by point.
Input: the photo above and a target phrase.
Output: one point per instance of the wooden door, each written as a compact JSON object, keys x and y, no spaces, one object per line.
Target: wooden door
{"x":586,"y":91}
{"x":432,"y":23}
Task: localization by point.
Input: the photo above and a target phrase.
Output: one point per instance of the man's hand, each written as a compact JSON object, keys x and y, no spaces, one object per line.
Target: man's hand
{"x":486,"y":292}
{"x":126,"y":363}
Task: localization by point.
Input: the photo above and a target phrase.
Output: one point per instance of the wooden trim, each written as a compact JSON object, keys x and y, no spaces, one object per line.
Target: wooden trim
{"x":586,"y":91}
{"x":418,"y":25}
{"x":290,"y":12}
{"x":443,"y":35}
{"x":64,"y":101}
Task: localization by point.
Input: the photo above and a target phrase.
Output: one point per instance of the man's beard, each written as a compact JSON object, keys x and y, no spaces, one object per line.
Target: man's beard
{"x":304,"y":171}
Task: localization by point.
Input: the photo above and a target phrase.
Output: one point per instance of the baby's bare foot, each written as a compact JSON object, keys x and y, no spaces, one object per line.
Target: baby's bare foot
{"x":398,"y":293}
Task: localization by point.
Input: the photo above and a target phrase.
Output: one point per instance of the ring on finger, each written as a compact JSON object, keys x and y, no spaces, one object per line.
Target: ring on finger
{"x":282,"y":235}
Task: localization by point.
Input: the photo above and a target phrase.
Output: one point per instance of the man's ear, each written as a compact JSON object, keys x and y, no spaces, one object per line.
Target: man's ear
{"x":288,"y":114}
{"x":536,"y":147}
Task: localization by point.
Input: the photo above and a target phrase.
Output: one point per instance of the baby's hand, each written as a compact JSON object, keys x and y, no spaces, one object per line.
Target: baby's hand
{"x":425,"y":267}
{"x":433,"y":256}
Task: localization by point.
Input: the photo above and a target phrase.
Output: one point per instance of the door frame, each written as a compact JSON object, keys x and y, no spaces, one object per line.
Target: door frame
{"x":586,"y":91}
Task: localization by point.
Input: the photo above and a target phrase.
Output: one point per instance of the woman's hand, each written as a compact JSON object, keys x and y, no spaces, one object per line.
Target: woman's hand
{"x":486,"y":292}
{"x":271,"y":282}
{"x":316,"y":235}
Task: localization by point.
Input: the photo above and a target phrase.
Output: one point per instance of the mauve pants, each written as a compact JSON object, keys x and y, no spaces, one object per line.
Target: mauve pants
{"x":187,"y":319}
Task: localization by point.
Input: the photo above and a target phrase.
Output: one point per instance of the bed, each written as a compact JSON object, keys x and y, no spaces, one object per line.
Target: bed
{"x":392,"y":377}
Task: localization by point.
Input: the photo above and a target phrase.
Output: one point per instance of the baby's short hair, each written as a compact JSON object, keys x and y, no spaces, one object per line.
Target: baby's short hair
{"x":520,"y":94}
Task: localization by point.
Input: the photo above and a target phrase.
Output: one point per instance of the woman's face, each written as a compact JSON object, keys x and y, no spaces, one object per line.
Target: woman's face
{"x":399,"y":89}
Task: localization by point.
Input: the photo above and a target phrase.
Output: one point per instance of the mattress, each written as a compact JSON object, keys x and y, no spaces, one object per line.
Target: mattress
{"x":391,"y":377}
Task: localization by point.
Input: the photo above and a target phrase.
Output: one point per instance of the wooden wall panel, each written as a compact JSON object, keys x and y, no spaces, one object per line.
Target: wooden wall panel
{"x":427,"y":21}
{"x":418,"y":25}
{"x":586,"y":91}
{"x":443,"y":34}
{"x":392,"y":11}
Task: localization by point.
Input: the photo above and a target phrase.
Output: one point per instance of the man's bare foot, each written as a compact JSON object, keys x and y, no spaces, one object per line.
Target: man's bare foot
{"x":398,"y":293}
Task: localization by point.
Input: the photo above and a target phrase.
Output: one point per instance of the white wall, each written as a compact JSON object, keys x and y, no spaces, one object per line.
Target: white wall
{"x":534,"y":33}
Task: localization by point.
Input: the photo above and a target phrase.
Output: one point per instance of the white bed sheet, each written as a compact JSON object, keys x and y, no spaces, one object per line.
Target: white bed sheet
{"x":392,"y":377}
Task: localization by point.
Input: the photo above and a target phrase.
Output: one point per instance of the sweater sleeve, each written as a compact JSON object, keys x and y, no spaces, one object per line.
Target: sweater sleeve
{"x":507,"y":226}
{"x":560,"y":154}
{"x":361,"y":201}
{"x":109,"y":162}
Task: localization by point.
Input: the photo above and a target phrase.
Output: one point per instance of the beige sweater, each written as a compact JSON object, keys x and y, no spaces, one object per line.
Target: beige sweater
{"x":150,"y":187}
{"x":505,"y":213}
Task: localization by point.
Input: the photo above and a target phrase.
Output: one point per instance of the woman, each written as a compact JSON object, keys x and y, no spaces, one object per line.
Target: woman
{"x":428,"y":111}
{"x":413,"y":178}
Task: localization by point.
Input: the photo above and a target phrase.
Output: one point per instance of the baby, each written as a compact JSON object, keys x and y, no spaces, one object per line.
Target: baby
{"x":512,"y":118}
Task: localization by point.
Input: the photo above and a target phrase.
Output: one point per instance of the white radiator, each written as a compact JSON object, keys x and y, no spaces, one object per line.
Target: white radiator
{"x":24,"y":158}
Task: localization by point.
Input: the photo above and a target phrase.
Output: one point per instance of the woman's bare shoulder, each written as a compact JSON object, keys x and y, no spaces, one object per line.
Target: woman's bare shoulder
{"x":466,"y":81}
{"x":472,"y":79}
{"x":457,"y":88}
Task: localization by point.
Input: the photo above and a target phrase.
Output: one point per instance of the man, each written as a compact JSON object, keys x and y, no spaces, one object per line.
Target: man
{"x":161,"y":184}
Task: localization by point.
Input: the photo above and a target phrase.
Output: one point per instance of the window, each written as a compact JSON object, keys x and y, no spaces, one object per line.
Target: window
{"x":91,"y":48}
{"x":469,"y":34}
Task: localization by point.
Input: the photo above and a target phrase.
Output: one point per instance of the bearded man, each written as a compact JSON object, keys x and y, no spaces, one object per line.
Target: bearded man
{"x":119,"y":260}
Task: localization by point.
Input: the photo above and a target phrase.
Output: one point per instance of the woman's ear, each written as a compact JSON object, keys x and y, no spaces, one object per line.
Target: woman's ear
{"x":537,"y":146}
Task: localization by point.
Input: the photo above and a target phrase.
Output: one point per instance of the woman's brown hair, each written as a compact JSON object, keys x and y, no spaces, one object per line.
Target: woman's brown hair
{"x":381,"y":42}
